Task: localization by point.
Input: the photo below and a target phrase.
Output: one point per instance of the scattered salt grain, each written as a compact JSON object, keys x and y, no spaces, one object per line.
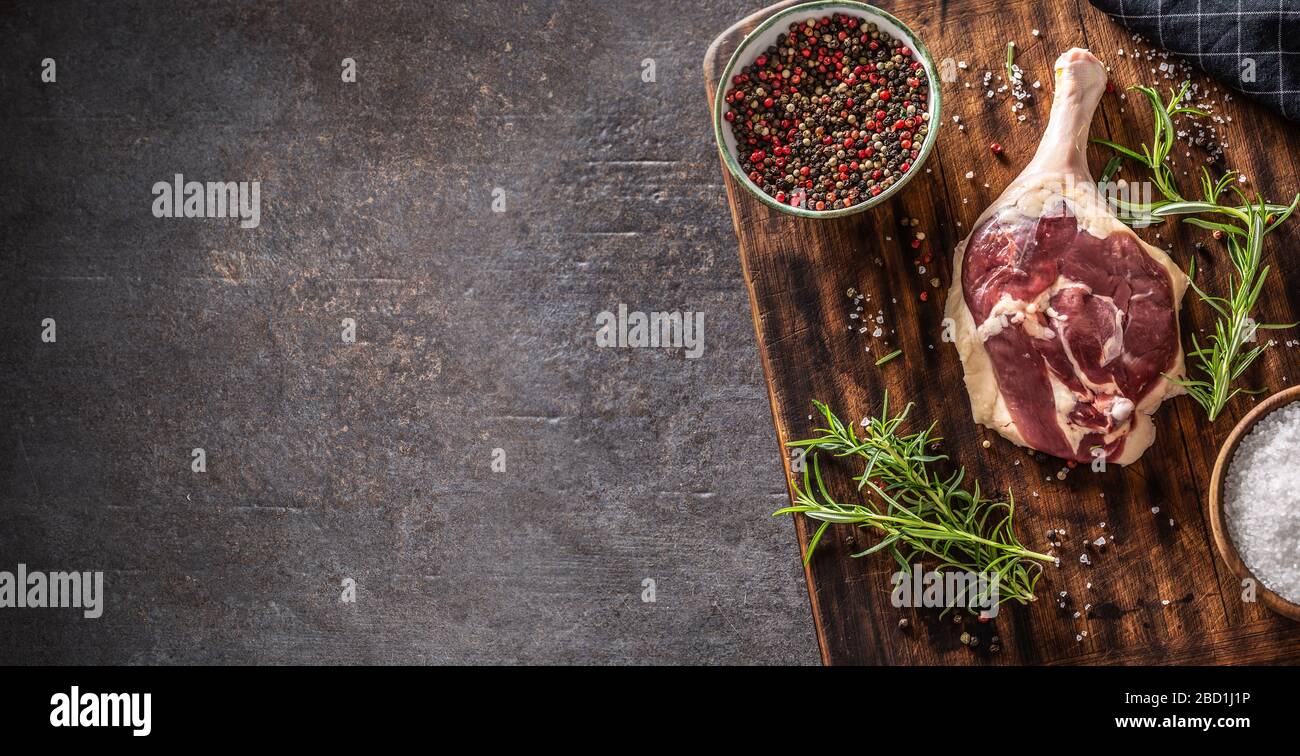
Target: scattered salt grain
{"x":1262,"y":501}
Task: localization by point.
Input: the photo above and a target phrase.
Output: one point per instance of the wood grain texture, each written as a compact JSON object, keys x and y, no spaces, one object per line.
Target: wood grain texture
{"x":1159,"y":593}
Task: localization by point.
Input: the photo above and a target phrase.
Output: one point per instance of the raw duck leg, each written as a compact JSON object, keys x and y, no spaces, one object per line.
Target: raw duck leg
{"x":1066,"y":322}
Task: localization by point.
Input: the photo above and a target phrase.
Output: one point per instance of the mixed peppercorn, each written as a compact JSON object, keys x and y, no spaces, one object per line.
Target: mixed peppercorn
{"x":831,"y":115}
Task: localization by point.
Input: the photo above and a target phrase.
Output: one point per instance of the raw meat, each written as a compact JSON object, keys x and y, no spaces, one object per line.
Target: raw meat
{"x":1066,"y":322}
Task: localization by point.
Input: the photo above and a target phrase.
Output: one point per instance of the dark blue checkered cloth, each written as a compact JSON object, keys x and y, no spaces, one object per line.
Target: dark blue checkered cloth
{"x":1250,"y":45}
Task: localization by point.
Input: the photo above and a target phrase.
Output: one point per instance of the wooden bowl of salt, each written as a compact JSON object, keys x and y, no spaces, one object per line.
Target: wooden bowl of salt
{"x":1249,"y":502}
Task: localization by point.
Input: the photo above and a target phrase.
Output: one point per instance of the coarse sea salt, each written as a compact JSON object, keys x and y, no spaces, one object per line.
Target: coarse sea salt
{"x":1262,"y":501}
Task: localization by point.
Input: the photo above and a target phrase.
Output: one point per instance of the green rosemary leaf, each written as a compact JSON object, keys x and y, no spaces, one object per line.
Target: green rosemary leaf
{"x":911,"y":506}
{"x":1111,"y":167}
{"x":1212,"y":226}
{"x":815,"y":539}
{"x":884,"y":543}
{"x":888,"y":357}
{"x":1120,"y":149}
{"x":1225,"y":356}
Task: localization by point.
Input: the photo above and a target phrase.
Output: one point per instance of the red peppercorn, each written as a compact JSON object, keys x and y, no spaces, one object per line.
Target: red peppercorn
{"x":995,"y":148}
{"x":916,"y":244}
{"x":822,"y":136}
{"x":925,"y":295}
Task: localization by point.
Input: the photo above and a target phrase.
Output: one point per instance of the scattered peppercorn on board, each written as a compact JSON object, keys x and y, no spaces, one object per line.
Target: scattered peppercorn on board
{"x":1156,"y":592}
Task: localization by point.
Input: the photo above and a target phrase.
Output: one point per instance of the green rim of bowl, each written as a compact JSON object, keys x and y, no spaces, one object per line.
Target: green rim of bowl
{"x":843,"y":6}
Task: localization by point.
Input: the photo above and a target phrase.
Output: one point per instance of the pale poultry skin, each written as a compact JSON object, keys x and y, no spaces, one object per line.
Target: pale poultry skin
{"x":1065,"y":321}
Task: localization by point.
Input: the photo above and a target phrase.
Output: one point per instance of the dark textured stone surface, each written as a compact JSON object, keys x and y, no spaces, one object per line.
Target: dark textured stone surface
{"x":372,"y":460}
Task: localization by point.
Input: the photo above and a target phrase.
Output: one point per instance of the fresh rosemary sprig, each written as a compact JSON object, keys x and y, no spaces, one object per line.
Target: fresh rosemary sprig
{"x":919,"y":513}
{"x":1223,"y":358}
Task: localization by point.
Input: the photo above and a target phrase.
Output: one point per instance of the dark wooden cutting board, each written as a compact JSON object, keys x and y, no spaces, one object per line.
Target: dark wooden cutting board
{"x":798,"y":272}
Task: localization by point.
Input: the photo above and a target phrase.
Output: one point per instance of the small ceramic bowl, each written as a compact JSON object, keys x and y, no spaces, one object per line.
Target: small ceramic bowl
{"x":765,"y":36}
{"x":1218,"y":523}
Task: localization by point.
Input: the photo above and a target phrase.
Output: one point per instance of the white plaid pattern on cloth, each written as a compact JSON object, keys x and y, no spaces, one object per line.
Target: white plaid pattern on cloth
{"x":1252,"y":46}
